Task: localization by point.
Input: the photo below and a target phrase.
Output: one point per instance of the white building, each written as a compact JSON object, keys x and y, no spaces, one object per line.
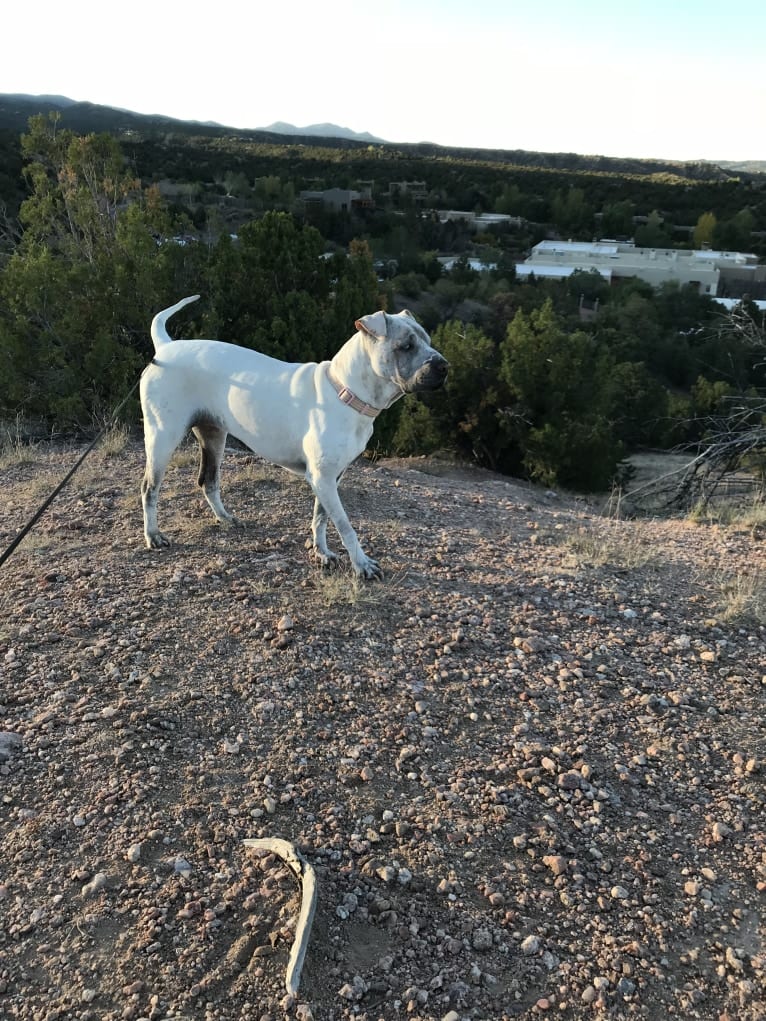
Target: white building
{"x":612,"y":259}
{"x":479,"y":221}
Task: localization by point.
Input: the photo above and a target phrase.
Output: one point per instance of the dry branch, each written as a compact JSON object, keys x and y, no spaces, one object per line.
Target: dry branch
{"x":303,"y":871}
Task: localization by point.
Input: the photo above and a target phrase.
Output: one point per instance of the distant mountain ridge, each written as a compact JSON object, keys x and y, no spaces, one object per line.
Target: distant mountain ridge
{"x":323,"y":131}
{"x":85,"y":117}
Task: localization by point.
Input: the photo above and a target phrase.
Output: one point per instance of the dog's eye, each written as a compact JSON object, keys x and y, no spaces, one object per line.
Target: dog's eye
{"x":407,"y":346}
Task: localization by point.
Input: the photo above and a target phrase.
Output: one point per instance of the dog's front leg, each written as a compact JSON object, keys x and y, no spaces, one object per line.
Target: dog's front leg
{"x":328,"y":505}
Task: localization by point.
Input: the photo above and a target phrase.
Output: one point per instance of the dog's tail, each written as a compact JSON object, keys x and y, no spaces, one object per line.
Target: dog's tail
{"x":159,"y":333}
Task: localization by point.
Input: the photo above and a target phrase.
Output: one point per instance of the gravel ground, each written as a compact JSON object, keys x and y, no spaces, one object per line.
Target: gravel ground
{"x":528,"y":767}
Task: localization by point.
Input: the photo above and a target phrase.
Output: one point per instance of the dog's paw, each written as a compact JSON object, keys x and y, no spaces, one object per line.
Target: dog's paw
{"x":369,"y":569}
{"x":325,"y":558}
{"x":157,"y":540}
{"x":230,"y":521}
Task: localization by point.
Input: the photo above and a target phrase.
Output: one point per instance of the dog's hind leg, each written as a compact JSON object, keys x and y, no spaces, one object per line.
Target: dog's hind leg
{"x":212,"y":443}
{"x":159,"y":449}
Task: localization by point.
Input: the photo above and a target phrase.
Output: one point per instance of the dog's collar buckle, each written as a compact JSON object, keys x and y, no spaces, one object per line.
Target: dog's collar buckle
{"x":349,"y":398}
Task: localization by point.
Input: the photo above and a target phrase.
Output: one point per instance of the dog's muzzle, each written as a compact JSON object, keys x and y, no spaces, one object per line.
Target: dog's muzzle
{"x":430,"y":375}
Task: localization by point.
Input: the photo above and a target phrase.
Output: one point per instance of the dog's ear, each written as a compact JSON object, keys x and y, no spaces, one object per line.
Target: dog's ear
{"x":374,"y":324}
{"x":406,"y":312}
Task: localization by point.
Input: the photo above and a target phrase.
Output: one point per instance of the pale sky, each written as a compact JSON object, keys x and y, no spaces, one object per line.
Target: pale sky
{"x":671,"y":79}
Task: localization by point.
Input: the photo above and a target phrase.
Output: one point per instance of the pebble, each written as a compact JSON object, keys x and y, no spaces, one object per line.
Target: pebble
{"x":10,"y":744}
{"x":96,"y":884}
{"x":182,"y":866}
{"x":570,"y":781}
{"x":720,"y":831}
{"x":625,"y":987}
{"x":530,"y":945}
{"x":481,"y":939}
{"x":589,"y":994}
{"x":556,"y":863}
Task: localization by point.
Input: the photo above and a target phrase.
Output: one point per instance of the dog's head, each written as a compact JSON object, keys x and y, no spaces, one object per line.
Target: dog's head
{"x":400,"y":350}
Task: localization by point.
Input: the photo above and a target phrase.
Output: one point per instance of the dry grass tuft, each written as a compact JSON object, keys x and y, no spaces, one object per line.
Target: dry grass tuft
{"x":339,"y":586}
{"x":115,"y":440}
{"x":735,"y":515}
{"x":16,"y":446}
{"x":741,"y":597}
{"x":613,"y":544}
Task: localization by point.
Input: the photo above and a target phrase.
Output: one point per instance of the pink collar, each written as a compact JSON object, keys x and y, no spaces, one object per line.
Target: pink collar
{"x":350,"y":399}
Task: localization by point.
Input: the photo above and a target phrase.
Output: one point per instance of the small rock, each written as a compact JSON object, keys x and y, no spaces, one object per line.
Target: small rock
{"x":589,"y":994}
{"x":530,"y":945}
{"x":625,"y":987}
{"x":556,"y":863}
{"x":10,"y":744}
{"x":481,"y":939}
{"x":96,"y":884}
{"x":182,"y":866}
{"x":619,"y":893}
{"x":530,"y":645}
{"x":720,"y":831}
{"x":570,"y":781}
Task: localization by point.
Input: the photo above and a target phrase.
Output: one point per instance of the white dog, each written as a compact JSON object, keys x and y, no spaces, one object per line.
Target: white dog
{"x":312,"y":419}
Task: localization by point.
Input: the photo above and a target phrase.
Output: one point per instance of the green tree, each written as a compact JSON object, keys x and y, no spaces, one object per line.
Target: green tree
{"x":654,"y":233}
{"x":735,"y":234}
{"x":617,"y":219}
{"x":82,"y":281}
{"x":357,"y":292}
{"x":463,"y":416}
{"x":564,"y":397}
{"x":571,"y":211}
{"x":269,"y":289}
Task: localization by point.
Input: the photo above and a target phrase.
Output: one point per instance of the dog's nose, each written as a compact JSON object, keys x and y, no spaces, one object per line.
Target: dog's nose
{"x":439,"y":365}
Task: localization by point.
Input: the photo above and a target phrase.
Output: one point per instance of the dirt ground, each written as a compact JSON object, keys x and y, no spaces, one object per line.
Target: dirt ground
{"x":528,"y":766}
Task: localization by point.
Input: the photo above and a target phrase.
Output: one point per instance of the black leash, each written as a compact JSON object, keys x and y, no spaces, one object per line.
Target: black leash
{"x":41,"y":510}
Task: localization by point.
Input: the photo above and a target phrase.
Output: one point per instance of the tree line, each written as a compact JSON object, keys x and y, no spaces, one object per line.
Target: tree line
{"x":536,"y":388}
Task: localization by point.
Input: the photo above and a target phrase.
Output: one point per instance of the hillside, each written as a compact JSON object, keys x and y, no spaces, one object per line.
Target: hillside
{"x":84,"y":117}
{"x":528,"y":766}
